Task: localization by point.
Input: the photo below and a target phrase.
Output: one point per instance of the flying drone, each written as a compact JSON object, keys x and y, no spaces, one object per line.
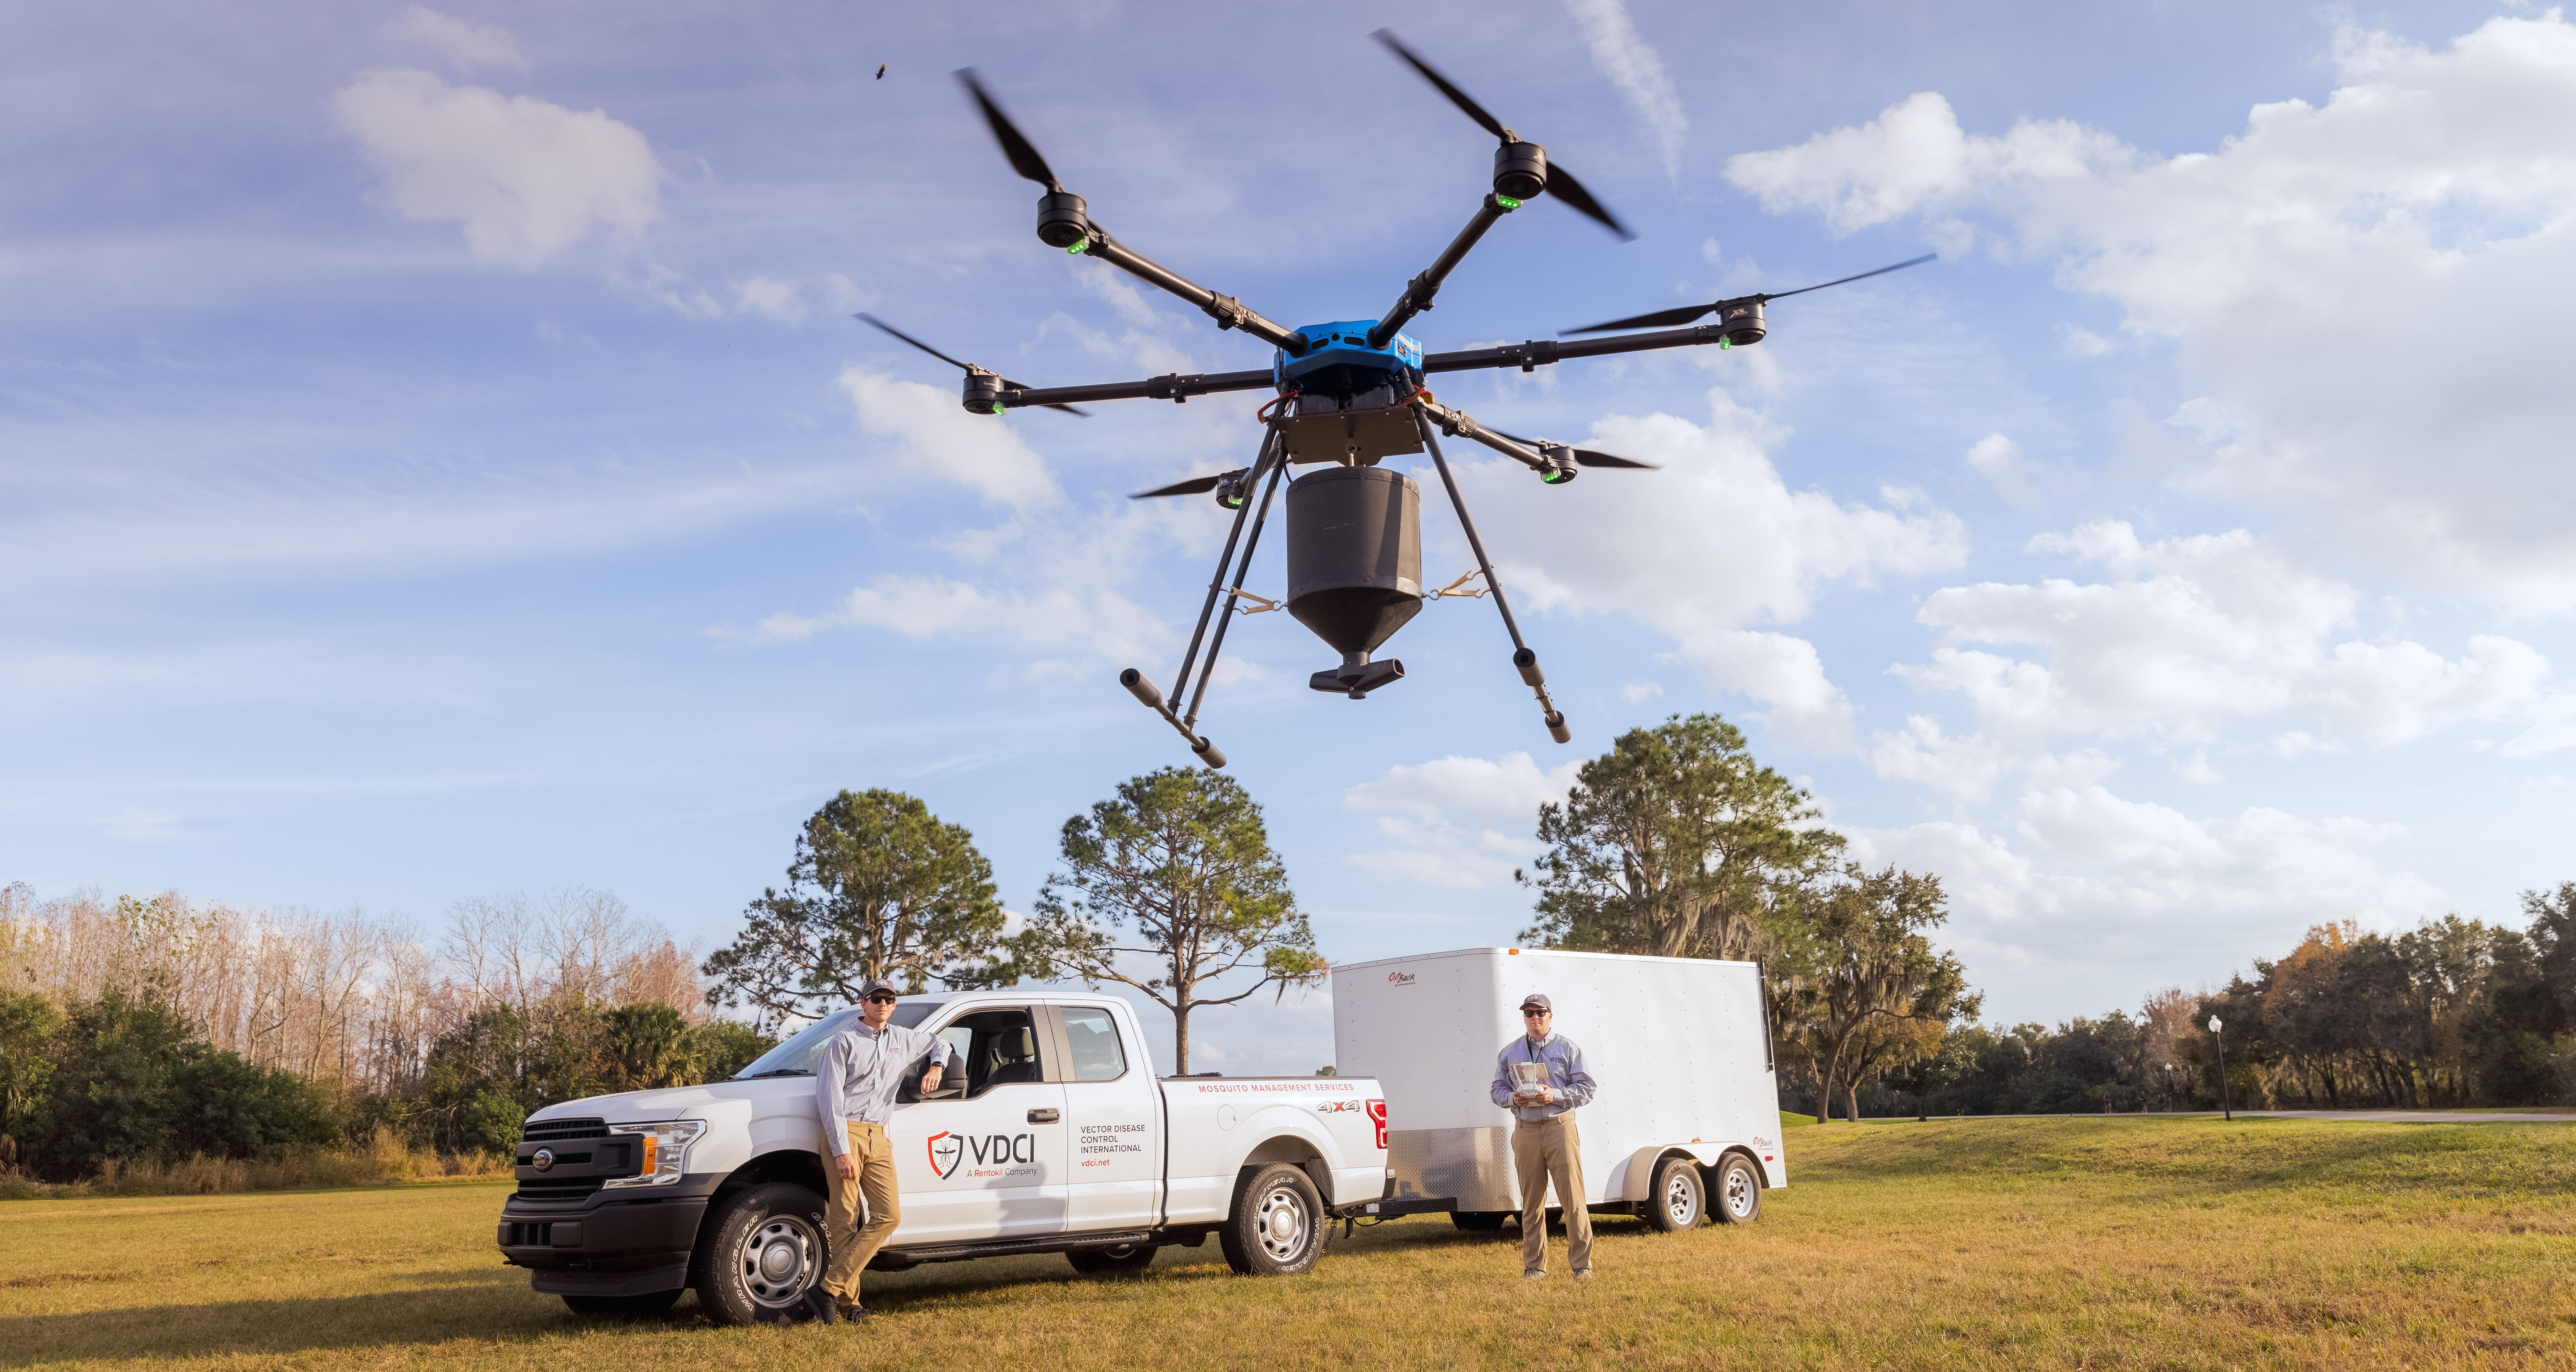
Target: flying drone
{"x":1346,"y":395}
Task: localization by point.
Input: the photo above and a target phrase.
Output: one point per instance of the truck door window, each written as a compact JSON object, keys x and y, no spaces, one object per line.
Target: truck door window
{"x":995,"y":1048}
{"x":1094,"y":1039}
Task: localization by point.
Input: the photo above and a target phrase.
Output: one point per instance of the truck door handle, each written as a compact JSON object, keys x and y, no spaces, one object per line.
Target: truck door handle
{"x":1042,"y":1116}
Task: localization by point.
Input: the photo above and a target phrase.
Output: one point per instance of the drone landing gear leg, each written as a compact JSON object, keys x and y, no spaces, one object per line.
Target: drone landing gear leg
{"x":1522,"y":657}
{"x":1145,"y":690}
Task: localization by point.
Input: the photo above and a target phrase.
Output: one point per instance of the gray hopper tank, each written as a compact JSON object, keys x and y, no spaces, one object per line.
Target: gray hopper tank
{"x":1354,"y":554}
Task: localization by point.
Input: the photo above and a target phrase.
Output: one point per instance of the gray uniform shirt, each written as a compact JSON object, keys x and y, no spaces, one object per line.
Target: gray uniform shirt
{"x":1574,"y":1086}
{"x":860,"y":1072}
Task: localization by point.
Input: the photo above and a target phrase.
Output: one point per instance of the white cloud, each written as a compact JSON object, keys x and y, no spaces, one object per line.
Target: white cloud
{"x":2193,"y":633}
{"x":1077,"y":632}
{"x":2080,"y":342}
{"x":1701,"y":550}
{"x":1998,"y":459}
{"x":2090,"y":875}
{"x":936,"y":438}
{"x":2352,"y":288}
{"x":525,"y":178}
{"x":1638,"y":692}
{"x":1459,"y":822}
{"x":1624,"y":59}
{"x":779,"y":300}
{"x":462,"y":41}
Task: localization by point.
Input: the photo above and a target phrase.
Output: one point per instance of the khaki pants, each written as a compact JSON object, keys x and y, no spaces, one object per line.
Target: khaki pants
{"x":852,"y":1246}
{"x":1542,"y":1152}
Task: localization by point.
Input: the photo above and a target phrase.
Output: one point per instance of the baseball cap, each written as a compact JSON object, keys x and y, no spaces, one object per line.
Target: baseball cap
{"x":878,"y":984}
{"x":1534,"y":998}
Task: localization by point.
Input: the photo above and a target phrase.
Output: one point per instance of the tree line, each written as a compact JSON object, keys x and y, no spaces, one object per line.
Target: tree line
{"x":139,"y":1028}
{"x":153,"y":1029}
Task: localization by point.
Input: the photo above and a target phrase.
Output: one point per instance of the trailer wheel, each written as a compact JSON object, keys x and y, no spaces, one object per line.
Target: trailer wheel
{"x":624,"y":1307}
{"x":1680,"y":1201}
{"x":1739,"y":1191}
{"x":1479,"y":1221}
{"x":758,"y":1252}
{"x":1126,"y":1257}
{"x":1276,"y":1226}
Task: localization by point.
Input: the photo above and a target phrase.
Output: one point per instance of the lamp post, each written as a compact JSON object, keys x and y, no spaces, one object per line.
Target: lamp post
{"x":2170,"y":1094}
{"x":2223,"y":1106}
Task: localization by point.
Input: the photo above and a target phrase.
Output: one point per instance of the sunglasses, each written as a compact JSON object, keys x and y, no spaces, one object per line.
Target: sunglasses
{"x":881,"y":1000}
{"x":1536,"y":1014}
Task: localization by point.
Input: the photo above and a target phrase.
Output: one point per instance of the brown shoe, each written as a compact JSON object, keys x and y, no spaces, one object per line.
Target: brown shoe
{"x":852,"y":1311}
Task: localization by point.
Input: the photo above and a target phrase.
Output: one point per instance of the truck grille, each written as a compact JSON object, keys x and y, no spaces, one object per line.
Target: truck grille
{"x":557,"y":1192}
{"x":548,"y":1131}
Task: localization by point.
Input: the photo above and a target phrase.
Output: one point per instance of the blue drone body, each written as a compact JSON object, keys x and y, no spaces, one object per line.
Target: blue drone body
{"x":1344,"y":343}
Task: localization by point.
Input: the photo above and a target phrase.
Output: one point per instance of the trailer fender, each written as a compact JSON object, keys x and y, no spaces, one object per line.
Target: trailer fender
{"x":1637,"y":1182}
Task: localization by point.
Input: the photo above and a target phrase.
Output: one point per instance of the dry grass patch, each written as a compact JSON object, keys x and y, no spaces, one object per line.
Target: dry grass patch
{"x":1996,"y":1244}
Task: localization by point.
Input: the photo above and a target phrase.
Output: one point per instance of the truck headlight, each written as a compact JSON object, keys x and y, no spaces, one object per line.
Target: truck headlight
{"x":666,"y":1151}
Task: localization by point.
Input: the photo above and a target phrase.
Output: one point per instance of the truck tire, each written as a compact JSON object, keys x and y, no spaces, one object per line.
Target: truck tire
{"x":1479,"y":1221}
{"x":1276,"y":1228}
{"x":758,"y":1251}
{"x":624,"y":1307}
{"x":1680,"y":1199}
{"x":1739,"y":1190}
{"x":1126,"y":1257}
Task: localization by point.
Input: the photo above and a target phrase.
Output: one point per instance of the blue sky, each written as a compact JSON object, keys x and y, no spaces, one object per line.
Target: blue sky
{"x":436,"y":458}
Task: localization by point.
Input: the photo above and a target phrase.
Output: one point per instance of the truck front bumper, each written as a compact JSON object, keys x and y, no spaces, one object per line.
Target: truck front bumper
{"x":602,"y":1245}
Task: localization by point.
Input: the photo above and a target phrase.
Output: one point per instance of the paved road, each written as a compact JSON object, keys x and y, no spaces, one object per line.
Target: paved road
{"x":2410,"y":1116}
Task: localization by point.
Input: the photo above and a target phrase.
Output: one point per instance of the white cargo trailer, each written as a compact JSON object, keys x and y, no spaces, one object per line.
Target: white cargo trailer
{"x":1689,"y":1103}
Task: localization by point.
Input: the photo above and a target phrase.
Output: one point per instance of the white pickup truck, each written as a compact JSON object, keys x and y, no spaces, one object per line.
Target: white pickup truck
{"x":1049,"y":1133}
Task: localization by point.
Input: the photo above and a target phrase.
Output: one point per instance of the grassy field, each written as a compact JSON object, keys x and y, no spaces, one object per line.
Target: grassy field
{"x":2126,"y":1242}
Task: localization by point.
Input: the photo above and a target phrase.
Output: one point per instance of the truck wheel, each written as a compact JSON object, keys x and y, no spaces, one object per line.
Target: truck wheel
{"x":1679,"y":1201}
{"x":1479,"y":1221}
{"x":624,"y":1307}
{"x":1126,"y":1257}
{"x":1739,"y":1191}
{"x":1276,"y":1227}
{"x":757,"y":1253}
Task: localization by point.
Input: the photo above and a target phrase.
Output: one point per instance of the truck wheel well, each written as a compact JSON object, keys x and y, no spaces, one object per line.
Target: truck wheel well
{"x":786,"y":1164}
{"x":1297,"y":1152}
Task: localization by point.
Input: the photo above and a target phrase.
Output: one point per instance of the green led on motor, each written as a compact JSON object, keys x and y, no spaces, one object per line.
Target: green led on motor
{"x":1078,"y":247}
{"x":1725,"y":343}
{"x":1507,"y":202}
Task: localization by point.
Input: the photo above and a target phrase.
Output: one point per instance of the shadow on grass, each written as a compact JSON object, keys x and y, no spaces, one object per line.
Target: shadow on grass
{"x":417,"y":1307}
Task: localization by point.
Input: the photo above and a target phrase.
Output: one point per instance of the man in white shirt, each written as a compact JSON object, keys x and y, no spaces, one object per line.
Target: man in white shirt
{"x":854,"y":1089}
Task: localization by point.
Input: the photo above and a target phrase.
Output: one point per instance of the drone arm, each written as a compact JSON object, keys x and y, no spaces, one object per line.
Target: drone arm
{"x":1524,"y":658}
{"x":1539,"y":352}
{"x":1418,"y":292}
{"x":1460,"y":424}
{"x":1176,"y":387}
{"x":1228,"y":312}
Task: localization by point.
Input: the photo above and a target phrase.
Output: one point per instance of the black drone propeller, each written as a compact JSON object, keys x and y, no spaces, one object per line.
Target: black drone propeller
{"x":1674,"y":319}
{"x":1015,"y":145}
{"x":968,"y":368}
{"x":1556,"y":179}
{"x":1197,"y":485}
{"x":1585,"y":457}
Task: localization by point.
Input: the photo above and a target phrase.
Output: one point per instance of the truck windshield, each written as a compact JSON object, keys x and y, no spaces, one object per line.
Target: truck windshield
{"x":797,"y":1056}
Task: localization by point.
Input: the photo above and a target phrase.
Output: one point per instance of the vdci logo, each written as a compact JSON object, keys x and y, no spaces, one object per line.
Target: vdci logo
{"x":946,"y":1151}
{"x":1399,"y":978}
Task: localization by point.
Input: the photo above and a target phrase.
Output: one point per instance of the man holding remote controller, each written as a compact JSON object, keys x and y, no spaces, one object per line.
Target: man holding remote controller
{"x":1539,"y":1077}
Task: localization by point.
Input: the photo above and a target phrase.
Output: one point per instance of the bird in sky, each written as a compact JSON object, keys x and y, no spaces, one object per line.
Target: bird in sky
{"x":881,"y":71}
